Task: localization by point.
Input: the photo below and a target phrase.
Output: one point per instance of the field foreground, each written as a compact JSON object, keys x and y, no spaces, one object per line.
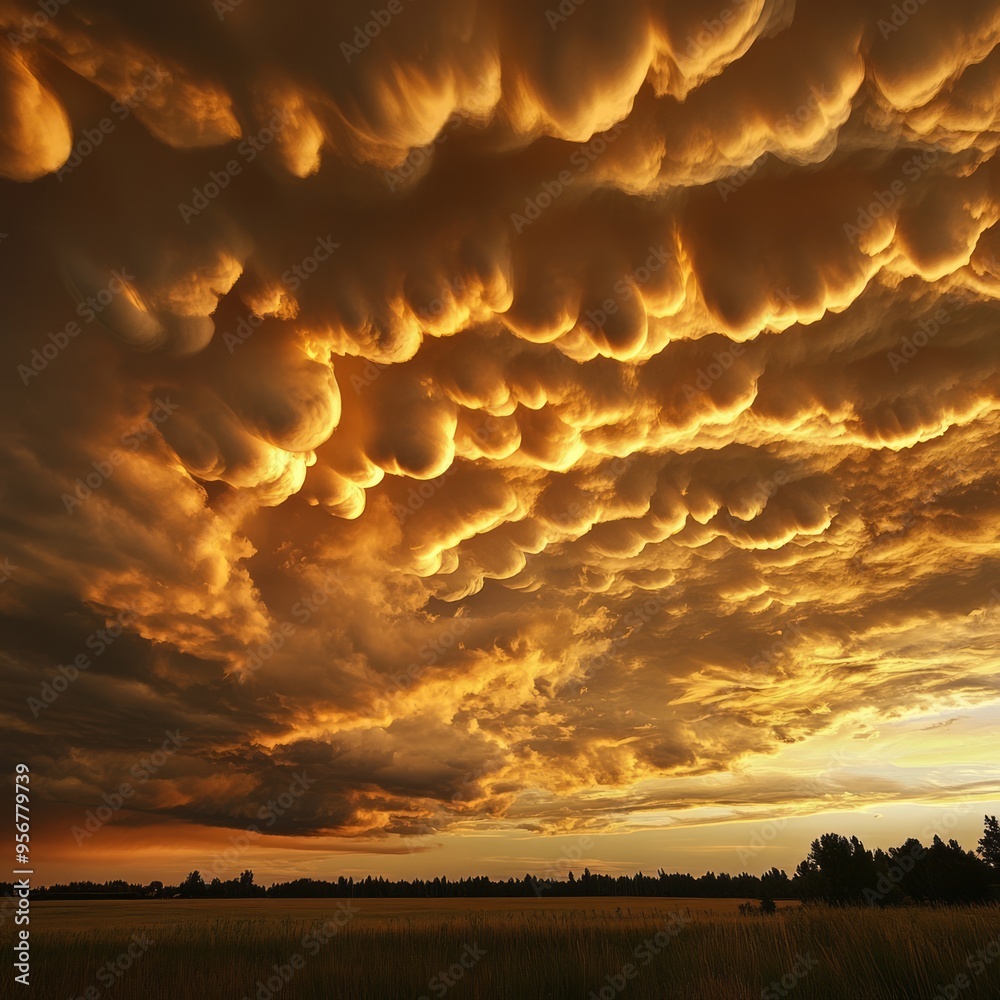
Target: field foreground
{"x":507,"y":949}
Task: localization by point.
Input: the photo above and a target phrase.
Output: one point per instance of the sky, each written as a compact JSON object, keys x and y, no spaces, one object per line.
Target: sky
{"x":457,"y":437}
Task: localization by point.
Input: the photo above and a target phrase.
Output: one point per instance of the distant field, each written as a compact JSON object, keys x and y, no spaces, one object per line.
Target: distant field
{"x":507,"y":949}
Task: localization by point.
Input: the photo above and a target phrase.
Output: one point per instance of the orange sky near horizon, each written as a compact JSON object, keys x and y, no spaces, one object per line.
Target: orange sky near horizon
{"x":492,"y":427}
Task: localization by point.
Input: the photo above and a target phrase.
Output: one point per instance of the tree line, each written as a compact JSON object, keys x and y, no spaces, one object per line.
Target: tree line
{"x":838,"y":870}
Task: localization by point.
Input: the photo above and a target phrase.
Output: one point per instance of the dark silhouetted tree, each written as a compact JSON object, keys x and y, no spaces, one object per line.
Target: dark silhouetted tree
{"x":989,"y":843}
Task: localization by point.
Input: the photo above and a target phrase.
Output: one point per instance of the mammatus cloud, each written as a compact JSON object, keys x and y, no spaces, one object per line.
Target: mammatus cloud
{"x":512,"y":415}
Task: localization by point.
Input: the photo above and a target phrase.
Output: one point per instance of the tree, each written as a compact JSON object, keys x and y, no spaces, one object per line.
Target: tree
{"x":837,"y":870}
{"x":193,"y":885}
{"x":989,"y":843}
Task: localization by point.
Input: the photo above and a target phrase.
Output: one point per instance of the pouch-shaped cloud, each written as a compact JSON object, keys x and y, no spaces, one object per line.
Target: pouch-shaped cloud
{"x":507,"y":415}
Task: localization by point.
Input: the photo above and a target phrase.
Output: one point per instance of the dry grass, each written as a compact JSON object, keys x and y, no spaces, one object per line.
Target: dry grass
{"x":533,"y":950}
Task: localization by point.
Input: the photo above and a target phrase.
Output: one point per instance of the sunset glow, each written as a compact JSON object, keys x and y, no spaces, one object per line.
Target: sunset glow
{"x":499,"y":436}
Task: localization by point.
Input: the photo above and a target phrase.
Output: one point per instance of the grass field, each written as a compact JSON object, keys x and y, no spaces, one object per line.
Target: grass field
{"x":507,"y":949}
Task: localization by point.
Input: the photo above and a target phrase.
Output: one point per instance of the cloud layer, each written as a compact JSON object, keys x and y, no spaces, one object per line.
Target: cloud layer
{"x":510,"y":414}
